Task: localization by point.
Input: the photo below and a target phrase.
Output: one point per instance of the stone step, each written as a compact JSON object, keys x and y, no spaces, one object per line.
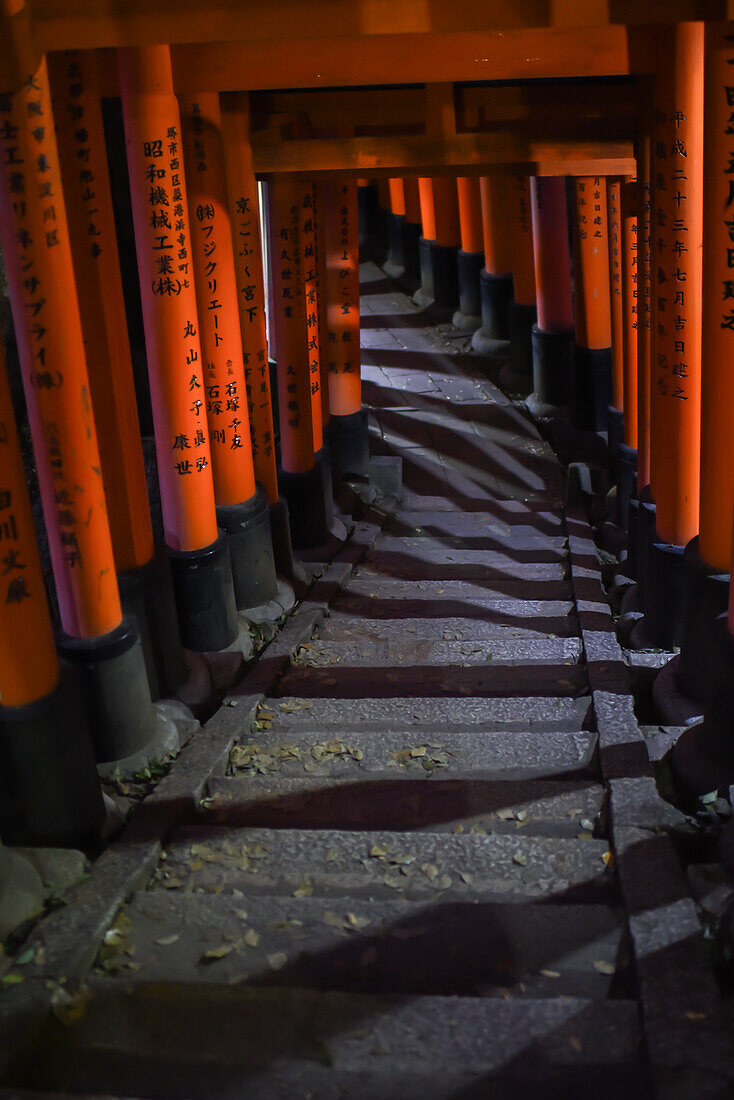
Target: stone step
{"x":189,"y":1040}
{"x":558,"y":807}
{"x":382,"y":681}
{"x":545,"y":528}
{"x":540,"y":548}
{"x":443,"y":641}
{"x":405,"y":651}
{"x":555,"y":617}
{"x":291,"y":714}
{"x":489,"y":755}
{"x":336,"y":864}
{"x":522,"y":595}
{"x":419,"y":559}
{"x":363,"y":946}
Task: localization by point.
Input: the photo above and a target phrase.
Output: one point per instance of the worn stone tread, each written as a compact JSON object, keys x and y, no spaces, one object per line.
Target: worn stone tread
{"x":525,"y":594}
{"x":413,"y":558}
{"x":406,"y":647}
{"x":340,"y":624}
{"x":529,"y":550}
{"x":361,"y":755}
{"x":291,"y":713}
{"x":556,"y":807}
{"x":357,"y":945}
{"x":505,"y":527}
{"x":335,"y":863}
{"x":184,"y":1039}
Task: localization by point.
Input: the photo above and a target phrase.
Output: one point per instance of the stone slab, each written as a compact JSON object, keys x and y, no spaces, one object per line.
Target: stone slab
{"x":365,"y":946}
{"x":403,"y":646}
{"x":344,"y":625}
{"x":334,"y":863}
{"x":482,"y":593}
{"x":293,"y":713}
{"x":359,"y":754}
{"x":532,"y":550}
{"x":557,"y":807}
{"x":182,"y":1039}
{"x":412,"y":558}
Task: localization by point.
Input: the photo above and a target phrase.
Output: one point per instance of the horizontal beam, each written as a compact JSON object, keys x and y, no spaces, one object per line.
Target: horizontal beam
{"x":76,"y":24}
{"x":464,"y":154}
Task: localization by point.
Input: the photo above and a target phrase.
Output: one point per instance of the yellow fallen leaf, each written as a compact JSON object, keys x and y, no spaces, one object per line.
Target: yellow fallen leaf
{"x":278,"y":960}
{"x":218,"y":952}
{"x":166,"y":941}
{"x":604,"y":967}
{"x":550,"y":973}
{"x":252,"y":938}
{"x":304,"y":890}
{"x":518,"y":857}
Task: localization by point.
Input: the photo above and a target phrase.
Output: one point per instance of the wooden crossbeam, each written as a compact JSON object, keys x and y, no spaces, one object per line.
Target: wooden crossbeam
{"x":464,"y":154}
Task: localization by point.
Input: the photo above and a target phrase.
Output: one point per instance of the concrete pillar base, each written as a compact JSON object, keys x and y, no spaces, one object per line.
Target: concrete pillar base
{"x":423,"y":296}
{"x":49,"y":791}
{"x":280,"y":531}
{"x":626,"y":483}
{"x":202,"y":582}
{"x":411,"y":277}
{"x":350,"y":444}
{"x":247,"y":526}
{"x":495,"y":294}
{"x":310,"y":511}
{"x":591,"y":386}
{"x":114,"y":688}
{"x":147,"y":596}
{"x":551,"y":372}
{"x":22,"y":893}
{"x":394,"y":265}
{"x":518,"y":375}
{"x":468,"y":317}
{"x":705,"y":598}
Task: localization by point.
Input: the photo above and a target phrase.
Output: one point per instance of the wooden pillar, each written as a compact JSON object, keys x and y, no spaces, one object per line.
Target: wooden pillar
{"x":518,"y":374}
{"x":242,"y":510}
{"x":311,"y":290}
{"x":244,"y":211}
{"x":300,"y":476}
{"x":592,"y":359}
{"x":553,"y":333}
{"x":471,"y":254}
{"x":439,"y":244}
{"x":199,"y":554}
{"x":43,"y":294}
{"x":495,"y":283}
{"x":614,"y":216}
{"x":348,"y":424}
{"x":394,"y":266}
{"x":631,"y":285}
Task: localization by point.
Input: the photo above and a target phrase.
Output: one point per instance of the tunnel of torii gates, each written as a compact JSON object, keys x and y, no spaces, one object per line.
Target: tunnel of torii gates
{"x":560,"y":183}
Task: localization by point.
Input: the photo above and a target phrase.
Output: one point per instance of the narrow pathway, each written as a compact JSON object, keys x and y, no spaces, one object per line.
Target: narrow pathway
{"x":400,"y":881}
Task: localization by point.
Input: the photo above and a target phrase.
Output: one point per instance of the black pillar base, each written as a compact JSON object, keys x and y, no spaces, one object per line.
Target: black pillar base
{"x":517,"y":375}
{"x":280,"y":531}
{"x":551,"y":371}
{"x":646,"y":536}
{"x":308,"y":507}
{"x":394,"y":265}
{"x":705,"y":598}
{"x":323,"y":461}
{"x":202,"y":582}
{"x":615,"y":436}
{"x":468,"y":317}
{"x":114,"y":690}
{"x":381,"y":239}
{"x":350,"y":444}
{"x":49,"y":790}
{"x":495,"y":294}
{"x":247,"y":526}
{"x":633,"y":523}
{"x":591,"y":386}
{"x":147,"y":595}
{"x":702,"y":759}
{"x":411,"y":277}
{"x":664,"y":596}
{"x":366,"y":207}
{"x":445,"y":280}
{"x":424,"y":294}
{"x":626,"y":482}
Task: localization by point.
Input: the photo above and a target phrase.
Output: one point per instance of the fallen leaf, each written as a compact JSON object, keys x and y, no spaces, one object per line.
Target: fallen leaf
{"x":252,"y":938}
{"x":550,"y":973}
{"x":166,"y":941}
{"x":12,"y":979}
{"x":278,"y":960}
{"x":518,"y":857}
{"x":304,"y":890}
{"x":604,"y":967}
{"x":215,"y":953}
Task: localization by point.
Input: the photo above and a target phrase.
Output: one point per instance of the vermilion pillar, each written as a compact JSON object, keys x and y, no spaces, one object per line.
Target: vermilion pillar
{"x":394,"y":266}
{"x":311,"y":291}
{"x":626,"y":464}
{"x":707,"y":559}
{"x":242,"y":195}
{"x":144,"y":578}
{"x":496,"y":276}
{"x":592,"y":358}
{"x":300,"y":476}
{"x":553,"y":333}
{"x":614,"y":223}
{"x":439,"y":245}
{"x":242,"y":511}
{"x":35,"y":239}
{"x":518,"y":374}
{"x":411,"y":233}
{"x":471,"y":254}
{"x":348,"y":431}
{"x":199,"y":554}
{"x":676,"y":284}
{"x":49,"y":792}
